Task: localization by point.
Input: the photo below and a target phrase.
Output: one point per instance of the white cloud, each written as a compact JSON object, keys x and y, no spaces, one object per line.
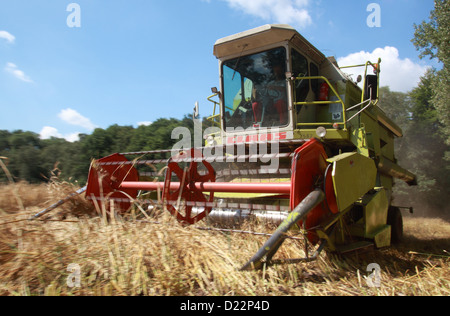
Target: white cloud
{"x":16,"y":72}
{"x":74,"y":137}
{"x":71,"y":117}
{"x":74,"y":118}
{"x":7,"y":36}
{"x":48,"y":132}
{"x":399,"y":74}
{"x":144,"y":123}
{"x":279,"y":11}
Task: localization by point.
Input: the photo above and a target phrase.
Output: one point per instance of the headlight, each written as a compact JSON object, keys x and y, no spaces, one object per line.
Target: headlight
{"x":210,"y":141}
{"x":321,"y":132}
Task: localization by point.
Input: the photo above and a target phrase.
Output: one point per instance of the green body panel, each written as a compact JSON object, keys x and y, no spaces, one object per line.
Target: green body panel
{"x":332,"y":134}
{"x":375,"y":211}
{"x":372,"y":132}
{"x":353,"y":176}
{"x":386,"y":144}
{"x":372,"y":224}
{"x":359,"y":138}
{"x":382,"y":237}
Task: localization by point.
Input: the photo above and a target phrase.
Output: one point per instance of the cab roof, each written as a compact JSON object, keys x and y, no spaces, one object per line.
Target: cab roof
{"x":262,"y":36}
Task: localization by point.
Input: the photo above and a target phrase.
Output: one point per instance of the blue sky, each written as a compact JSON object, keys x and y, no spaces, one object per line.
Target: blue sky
{"x":139,"y":60}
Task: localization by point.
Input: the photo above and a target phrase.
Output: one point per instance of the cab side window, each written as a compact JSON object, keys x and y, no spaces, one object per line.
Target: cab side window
{"x":300,"y":69}
{"x":314,"y":82}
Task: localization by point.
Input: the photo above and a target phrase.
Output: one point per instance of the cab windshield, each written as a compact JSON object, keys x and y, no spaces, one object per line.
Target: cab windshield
{"x":255,"y":90}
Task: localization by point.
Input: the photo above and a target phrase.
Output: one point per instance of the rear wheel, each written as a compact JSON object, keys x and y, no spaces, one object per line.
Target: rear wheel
{"x":396,"y":221}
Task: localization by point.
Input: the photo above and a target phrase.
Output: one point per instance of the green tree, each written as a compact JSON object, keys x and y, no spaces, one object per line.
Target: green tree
{"x":33,"y":159}
{"x":121,"y":137}
{"x":23,"y":152}
{"x":432,"y":39}
{"x":4,"y":140}
{"x":158,"y":135}
{"x":423,"y":110}
{"x":97,"y":145}
{"x":65,"y":159}
{"x":421,"y":149}
{"x":397,"y":106}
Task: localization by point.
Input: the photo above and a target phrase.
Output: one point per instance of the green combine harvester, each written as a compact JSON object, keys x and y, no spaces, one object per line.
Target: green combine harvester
{"x":295,"y":141}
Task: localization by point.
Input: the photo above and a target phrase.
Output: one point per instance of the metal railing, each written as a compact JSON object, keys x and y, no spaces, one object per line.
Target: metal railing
{"x":214,"y":116}
{"x":366,"y":65}
{"x":339,"y":100}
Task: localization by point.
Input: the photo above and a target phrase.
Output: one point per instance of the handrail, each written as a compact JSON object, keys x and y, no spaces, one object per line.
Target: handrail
{"x":214,"y":116}
{"x":339,"y":100}
{"x":375,"y":67}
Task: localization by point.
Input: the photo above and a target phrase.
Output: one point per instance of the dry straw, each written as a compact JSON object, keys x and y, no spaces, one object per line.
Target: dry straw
{"x":122,"y":255}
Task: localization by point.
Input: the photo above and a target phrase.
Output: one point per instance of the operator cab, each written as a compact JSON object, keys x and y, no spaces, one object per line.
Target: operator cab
{"x":257,"y":69}
{"x":272,"y":78}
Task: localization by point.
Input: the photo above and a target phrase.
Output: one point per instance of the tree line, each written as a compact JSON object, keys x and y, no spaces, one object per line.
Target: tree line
{"x":29,"y":158}
{"x":425,"y":116}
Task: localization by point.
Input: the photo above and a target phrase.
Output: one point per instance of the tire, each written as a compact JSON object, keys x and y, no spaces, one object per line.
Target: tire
{"x":396,"y":221}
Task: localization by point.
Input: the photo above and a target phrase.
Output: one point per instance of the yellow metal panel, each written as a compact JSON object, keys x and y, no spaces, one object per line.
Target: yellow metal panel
{"x":382,"y":237}
{"x":372,"y":131}
{"x":359,"y":139}
{"x":335,"y":134}
{"x":353,"y":176}
{"x":387,"y":144}
{"x":375,"y":211}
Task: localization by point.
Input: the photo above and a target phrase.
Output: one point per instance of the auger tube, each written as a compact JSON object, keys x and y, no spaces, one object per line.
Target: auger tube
{"x":269,"y":249}
{"x":59,"y":203}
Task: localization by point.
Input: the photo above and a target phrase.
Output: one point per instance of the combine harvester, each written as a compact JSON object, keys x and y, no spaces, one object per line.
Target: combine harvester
{"x":296,"y":142}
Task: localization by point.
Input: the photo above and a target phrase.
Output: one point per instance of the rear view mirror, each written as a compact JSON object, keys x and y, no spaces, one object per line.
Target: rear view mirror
{"x":196,"y":110}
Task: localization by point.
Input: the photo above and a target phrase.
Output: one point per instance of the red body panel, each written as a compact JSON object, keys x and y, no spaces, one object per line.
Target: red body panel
{"x":308,"y":171}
